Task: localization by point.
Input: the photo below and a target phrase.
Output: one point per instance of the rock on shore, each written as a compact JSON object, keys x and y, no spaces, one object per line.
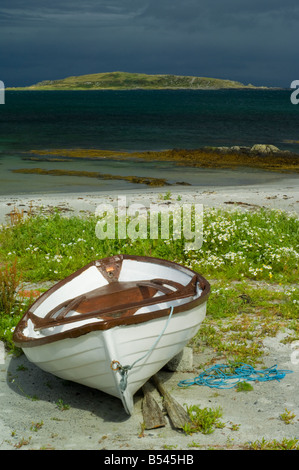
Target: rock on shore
{"x":260,"y":149}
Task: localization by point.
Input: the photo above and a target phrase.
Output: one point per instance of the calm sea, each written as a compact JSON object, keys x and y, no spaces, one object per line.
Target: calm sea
{"x":136,"y":120}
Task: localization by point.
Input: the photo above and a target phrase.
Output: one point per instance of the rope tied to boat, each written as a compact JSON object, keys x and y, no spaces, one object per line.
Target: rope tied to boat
{"x":123,"y":370}
{"x":225,"y":376}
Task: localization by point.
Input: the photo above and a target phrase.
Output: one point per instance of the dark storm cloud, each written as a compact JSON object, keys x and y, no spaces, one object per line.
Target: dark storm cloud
{"x":251,"y":41}
{"x":217,"y":11}
{"x":17,"y":11}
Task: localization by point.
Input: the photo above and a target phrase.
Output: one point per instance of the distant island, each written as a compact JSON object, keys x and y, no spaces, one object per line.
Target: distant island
{"x":133,"y":81}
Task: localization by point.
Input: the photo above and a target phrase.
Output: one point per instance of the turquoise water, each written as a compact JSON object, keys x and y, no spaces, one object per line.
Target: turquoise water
{"x":135,"y":120}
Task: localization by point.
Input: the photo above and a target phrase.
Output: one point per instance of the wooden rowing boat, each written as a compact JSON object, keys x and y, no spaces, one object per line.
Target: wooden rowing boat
{"x":114,"y":323}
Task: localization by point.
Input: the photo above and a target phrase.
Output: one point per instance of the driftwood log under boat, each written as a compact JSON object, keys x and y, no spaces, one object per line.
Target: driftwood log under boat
{"x":114,"y":323}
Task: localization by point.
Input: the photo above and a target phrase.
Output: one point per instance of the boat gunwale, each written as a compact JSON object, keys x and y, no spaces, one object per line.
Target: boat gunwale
{"x":23,"y":341}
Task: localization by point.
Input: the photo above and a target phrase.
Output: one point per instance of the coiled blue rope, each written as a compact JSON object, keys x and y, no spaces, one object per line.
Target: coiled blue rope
{"x":229,"y":375}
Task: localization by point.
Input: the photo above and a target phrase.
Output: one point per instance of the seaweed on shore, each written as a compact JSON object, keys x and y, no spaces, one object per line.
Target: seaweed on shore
{"x":149,"y":181}
{"x":206,"y":157}
{"x":41,"y":159}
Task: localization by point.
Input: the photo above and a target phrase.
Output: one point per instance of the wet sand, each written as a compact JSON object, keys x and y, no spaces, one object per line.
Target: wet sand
{"x":280,"y":193}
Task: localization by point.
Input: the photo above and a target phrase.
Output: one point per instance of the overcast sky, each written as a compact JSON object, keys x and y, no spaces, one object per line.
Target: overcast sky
{"x":253,"y":41}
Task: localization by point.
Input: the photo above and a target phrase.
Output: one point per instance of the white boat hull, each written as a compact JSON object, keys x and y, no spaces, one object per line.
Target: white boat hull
{"x":95,"y":358}
{"x":87,"y":359}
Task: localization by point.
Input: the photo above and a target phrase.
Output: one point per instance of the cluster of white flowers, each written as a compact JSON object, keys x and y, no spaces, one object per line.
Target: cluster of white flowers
{"x":235,"y":238}
{"x":73,"y":243}
{"x":292,"y":292}
{"x":256,"y":271}
{"x":234,"y":256}
{"x":32,"y":248}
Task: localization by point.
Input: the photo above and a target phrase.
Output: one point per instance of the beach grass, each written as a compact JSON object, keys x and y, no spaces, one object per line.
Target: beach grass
{"x":250,"y":258}
{"x":237,"y":244}
{"x":241,"y":315}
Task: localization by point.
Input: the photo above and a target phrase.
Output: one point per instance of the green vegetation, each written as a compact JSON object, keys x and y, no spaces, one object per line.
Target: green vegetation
{"x":259,"y":245}
{"x":131,"y":81}
{"x":285,"y":444}
{"x":204,"y":420}
{"x":250,"y":258}
{"x":23,"y":442}
{"x":61,"y":405}
{"x":288,"y":416}
{"x":244,"y":387}
{"x":235,"y":329}
{"x":9,"y":282}
{"x":36,"y":426}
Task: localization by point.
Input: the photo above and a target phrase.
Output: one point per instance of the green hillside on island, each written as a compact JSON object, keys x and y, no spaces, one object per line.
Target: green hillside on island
{"x":131,"y":81}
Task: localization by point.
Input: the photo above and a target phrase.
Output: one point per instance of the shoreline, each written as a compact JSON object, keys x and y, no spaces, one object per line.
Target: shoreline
{"x":67,"y":171}
{"x":259,"y":156}
{"x":282,"y":195}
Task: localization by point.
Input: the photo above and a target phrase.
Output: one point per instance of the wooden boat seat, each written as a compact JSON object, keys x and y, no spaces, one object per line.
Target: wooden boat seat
{"x":114,"y":300}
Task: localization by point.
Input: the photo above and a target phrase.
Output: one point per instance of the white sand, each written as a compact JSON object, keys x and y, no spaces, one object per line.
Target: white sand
{"x":281,"y":194}
{"x":97,"y":421}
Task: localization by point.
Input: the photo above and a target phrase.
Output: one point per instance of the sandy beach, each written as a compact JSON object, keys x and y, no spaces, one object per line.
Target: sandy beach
{"x":94,"y":420}
{"x":282,"y":193}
